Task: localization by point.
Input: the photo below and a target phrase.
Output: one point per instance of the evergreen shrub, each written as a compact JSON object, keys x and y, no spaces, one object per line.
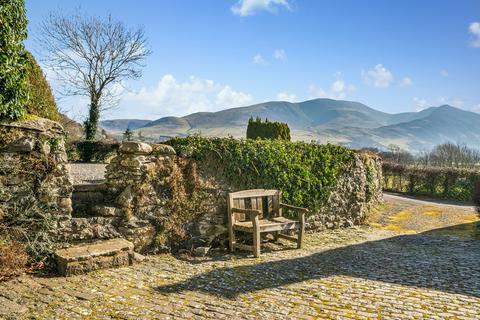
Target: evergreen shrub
{"x":13,"y":60}
{"x":267,"y":130}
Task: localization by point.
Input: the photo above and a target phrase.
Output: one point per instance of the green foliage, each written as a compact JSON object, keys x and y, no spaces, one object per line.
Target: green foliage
{"x":91,"y":151}
{"x":438,"y":182}
{"x":13,"y":60}
{"x":371,"y":173}
{"x":306,"y":173}
{"x":41,"y":102}
{"x":267,"y":130}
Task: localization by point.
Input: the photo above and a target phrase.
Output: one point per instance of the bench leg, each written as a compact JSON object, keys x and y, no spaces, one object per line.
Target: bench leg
{"x":276,"y":236}
{"x":301,"y":232}
{"x":256,"y":238}
{"x":231,"y":238}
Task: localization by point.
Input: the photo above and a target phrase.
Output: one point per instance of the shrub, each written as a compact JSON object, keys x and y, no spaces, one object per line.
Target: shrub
{"x":13,"y":258}
{"x":448,"y":183}
{"x":91,"y":151}
{"x":41,"y":102}
{"x":29,"y":222}
{"x":13,"y":60}
{"x":267,"y":130}
{"x":305,"y":172}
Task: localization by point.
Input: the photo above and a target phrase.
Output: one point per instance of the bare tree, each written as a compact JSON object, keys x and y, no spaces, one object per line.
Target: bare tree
{"x":92,"y":57}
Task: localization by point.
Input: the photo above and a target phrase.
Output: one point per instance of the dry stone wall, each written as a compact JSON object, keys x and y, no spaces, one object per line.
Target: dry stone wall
{"x":33,"y":171}
{"x":151,"y":196}
{"x":144,"y":181}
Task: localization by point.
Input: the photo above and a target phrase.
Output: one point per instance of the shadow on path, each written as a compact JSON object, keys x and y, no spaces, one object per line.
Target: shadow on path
{"x":446,"y":259}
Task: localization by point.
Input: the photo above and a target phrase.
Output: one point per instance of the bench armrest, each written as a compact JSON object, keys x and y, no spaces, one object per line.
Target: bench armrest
{"x":298,"y":209}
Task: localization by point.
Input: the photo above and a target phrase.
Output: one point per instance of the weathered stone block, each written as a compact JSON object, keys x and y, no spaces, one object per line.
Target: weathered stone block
{"x":22,"y":145}
{"x":99,"y":255}
{"x":131,"y":147}
{"x":163,"y":150}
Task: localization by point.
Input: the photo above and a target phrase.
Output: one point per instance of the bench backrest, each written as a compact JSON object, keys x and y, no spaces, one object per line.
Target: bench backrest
{"x":267,"y":201}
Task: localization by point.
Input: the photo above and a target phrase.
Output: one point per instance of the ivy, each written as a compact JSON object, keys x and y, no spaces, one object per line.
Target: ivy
{"x":370,"y":186}
{"x":13,"y":60}
{"x":306,"y":173}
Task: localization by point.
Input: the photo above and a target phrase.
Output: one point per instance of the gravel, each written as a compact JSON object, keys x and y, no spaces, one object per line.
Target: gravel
{"x":87,"y":173}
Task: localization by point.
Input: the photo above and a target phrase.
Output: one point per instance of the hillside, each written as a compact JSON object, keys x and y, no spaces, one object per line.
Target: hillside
{"x":324,"y":120}
{"x":120,"y":125}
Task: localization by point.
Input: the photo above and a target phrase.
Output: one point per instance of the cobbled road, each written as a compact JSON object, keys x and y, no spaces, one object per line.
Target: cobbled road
{"x":414,"y":261}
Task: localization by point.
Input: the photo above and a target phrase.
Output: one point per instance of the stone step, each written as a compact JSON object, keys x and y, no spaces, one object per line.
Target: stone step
{"x":92,"y":228}
{"x":104,"y":211}
{"x":90,"y":187}
{"x":88,"y":257}
{"x":87,"y":196}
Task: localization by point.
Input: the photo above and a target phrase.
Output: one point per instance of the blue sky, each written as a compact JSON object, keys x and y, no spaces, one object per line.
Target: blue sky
{"x":394,"y":56}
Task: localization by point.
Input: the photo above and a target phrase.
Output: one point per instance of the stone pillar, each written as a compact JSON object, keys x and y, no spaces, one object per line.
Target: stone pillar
{"x":33,"y":167}
{"x":132,"y":179}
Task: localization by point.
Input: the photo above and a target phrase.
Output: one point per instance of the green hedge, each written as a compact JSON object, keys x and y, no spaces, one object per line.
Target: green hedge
{"x":305,"y":172}
{"x":91,"y":151}
{"x":41,"y":102}
{"x":13,"y":60}
{"x":438,"y":182}
{"x":257,"y":129}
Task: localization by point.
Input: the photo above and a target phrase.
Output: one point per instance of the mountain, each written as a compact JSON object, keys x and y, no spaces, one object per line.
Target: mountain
{"x":326,"y":120}
{"x":120,"y":125}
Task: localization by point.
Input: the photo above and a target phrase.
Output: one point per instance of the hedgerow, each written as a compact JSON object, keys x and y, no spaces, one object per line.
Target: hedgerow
{"x":91,"y":151}
{"x":306,"y":173}
{"x":439,"y":182}
{"x":13,"y":61}
{"x":41,"y":102}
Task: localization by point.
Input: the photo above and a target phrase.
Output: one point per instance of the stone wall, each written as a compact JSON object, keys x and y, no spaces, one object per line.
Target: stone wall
{"x":144,"y":179}
{"x":357,"y":191}
{"x":33,"y":171}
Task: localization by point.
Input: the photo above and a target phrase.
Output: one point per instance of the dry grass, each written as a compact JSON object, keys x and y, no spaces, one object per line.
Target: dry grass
{"x":13,"y":259}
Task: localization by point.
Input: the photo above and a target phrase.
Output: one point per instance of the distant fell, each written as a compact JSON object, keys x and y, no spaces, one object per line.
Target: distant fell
{"x":324,"y":120}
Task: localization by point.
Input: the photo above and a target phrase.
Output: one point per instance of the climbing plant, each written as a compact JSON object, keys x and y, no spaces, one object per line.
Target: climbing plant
{"x":13,"y":61}
{"x":305,"y":172}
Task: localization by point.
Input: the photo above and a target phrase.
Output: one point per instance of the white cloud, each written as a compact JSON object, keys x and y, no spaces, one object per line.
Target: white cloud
{"x":474,"y":29}
{"x":228,"y":97}
{"x":258,"y":59}
{"x":245,"y":8}
{"x":456,"y":102}
{"x":378,"y":77}
{"x":420,"y":104}
{"x":338,"y":90}
{"x":174,"y":98}
{"x":476,"y":108}
{"x":280,"y":54}
{"x":444,"y":73}
{"x":285,"y":96}
{"x":406,"y":82}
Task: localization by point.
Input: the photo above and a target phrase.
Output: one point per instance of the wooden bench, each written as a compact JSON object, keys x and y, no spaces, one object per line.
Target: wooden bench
{"x":258,"y":211}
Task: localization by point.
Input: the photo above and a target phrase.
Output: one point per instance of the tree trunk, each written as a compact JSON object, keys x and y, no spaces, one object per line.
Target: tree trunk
{"x":91,"y":124}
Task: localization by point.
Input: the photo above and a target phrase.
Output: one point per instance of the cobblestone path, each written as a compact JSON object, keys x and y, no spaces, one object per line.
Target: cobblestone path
{"x":415,"y":261}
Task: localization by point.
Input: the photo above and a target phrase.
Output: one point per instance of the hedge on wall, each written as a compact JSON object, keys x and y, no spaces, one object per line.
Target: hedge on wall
{"x":13,"y":61}
{"x":257,"y":129}
{"x":41,"y":102}
{"x":91,"y":151}
{"x":448,"y":183}
{"x":305,"y":172}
